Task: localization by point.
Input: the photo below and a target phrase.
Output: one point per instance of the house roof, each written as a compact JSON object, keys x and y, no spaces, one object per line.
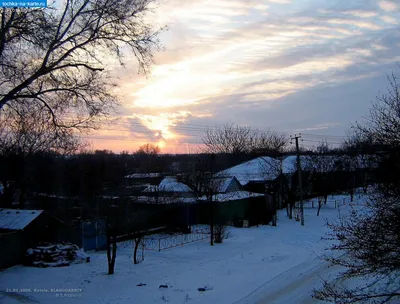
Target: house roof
{"x":169,"y":184}
{"x":165,"y":200}
{"x":258,"y":169}
{"x":232,"y":196}
{"x":143,"y":175}
{"x":221,"y":184}
{"x":14,"y":219}
{"x":263,"y":168}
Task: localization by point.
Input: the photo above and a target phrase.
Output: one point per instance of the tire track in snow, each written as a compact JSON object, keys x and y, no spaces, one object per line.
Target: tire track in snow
{"x":293,"y":285}
{"x":300,"y":288}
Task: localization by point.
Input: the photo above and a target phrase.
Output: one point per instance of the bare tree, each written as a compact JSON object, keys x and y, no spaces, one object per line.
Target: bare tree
{"x":28,"y":131}
{"x":148,"y":149}
{"x":269,"y":142}
{"x":207,"y":184}
{"x":364,"y":149}
{"x":112,"y":230}
{"x":369,"y":237}
{"x":348,"y":165}
{"x":55,"y":59}
{"x":148,"y":158}
{"x":272,"y":172}
{"x":382,"y":125}
{"x":370,"y":242}
{"x":227,"y":139}
{"x":126,"y":221}
{"x":321,"y":165}
{"x":234,"y":139}
{"x":24,"y":135}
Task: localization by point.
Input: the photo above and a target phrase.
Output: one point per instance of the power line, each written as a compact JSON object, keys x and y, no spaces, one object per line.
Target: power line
{"x":329,"y":142}
{"x":324,"y":135}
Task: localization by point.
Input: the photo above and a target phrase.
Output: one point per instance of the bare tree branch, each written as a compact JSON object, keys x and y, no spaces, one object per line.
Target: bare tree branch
{"x":58,"y":57}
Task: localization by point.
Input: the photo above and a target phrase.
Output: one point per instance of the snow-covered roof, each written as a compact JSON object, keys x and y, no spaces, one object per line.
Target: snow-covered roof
{"x":289,"y":163}
{"x":165,"y":200}
{"x":143,"y":175}
{"x":258,"y":169}
{"x":221,"y":184}
{"x":232,"y":196}
{"x":169,"y":184}
{"x":14,"y":219}
{"x":264,"y":168}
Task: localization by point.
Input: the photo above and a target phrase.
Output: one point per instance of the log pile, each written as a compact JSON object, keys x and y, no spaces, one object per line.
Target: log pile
{"x":55,"y":255}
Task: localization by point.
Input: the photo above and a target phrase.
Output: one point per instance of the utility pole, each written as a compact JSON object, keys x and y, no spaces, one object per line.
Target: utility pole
{"x":210,"y":192}
{"x":296,"y":138}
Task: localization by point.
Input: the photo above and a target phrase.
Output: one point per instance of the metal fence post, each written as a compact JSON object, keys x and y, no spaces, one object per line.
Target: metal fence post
{"x":159,"y":247}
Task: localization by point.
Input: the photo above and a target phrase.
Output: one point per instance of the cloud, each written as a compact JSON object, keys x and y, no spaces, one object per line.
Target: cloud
{"x":281,"y":1}
{"x":323,"y":126}
{"x":260,"y":63}
{"x":388,"y":5}
{"x":361,"y":13}
{"x":390,"y":20}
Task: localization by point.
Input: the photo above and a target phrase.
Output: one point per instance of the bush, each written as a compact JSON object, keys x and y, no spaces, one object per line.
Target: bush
{"x":220,"y":233}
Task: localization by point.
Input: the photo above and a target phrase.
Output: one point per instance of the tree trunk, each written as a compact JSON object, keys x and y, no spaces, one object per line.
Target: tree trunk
{"x":287,"y":210}
{"x":274,"y":216}
{"x":319,"y":206}
{"x":211,"y":223}
{"x":111,"y":253}
{"x":274,"y":219}
{"x":137,"y":242}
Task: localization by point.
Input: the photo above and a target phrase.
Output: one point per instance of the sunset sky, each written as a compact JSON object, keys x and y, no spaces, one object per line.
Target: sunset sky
{"x":308,"y":66}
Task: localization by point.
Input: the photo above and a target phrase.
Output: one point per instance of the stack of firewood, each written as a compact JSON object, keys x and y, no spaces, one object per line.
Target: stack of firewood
{"x":55,"y":255}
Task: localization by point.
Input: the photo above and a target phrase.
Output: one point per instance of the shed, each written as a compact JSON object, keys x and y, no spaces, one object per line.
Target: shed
{"x":22,"y":229}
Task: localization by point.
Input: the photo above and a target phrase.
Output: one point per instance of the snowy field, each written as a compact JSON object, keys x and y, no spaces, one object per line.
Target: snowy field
{"x":254,"y":265}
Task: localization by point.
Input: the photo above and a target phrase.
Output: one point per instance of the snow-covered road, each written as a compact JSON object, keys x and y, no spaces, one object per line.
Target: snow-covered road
{"x":294,"y":285}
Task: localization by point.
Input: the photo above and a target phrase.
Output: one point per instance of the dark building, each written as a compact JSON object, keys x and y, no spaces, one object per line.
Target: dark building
{"x":22,"y":229}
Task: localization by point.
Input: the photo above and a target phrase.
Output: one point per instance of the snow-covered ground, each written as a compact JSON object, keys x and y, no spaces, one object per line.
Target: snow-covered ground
{"x":253,"y":265}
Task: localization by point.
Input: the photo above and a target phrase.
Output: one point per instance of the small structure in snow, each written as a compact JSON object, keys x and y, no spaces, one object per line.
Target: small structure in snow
{"x":169,"y":185}
{"x":22,"y":229}
{"x":55,"y":255}
{"x":169,"y":191}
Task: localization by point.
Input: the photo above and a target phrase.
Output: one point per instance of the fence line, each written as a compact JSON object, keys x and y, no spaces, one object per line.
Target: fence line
{"x":338,"y":202}
{"x":176,"y":240}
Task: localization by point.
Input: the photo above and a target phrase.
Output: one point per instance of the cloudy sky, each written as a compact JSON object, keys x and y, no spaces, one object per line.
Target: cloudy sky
{"x":311,"y":66}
